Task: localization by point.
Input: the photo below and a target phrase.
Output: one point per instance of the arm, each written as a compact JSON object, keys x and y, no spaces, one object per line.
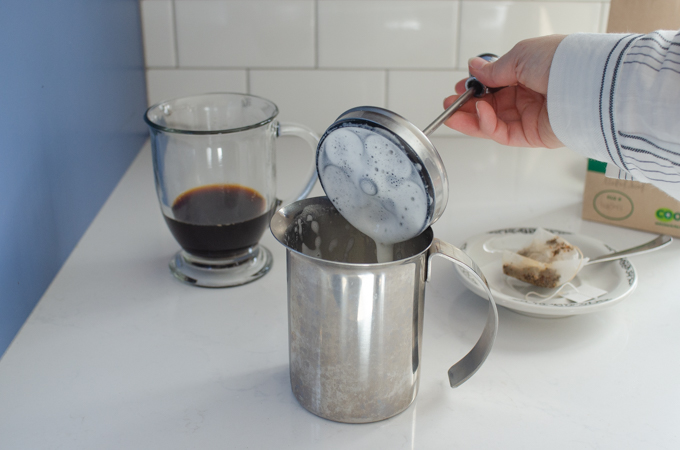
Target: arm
{"x":619,"y":102}
{"x":614,"y":98}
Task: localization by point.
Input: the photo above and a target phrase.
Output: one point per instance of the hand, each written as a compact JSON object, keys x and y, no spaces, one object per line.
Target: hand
{"x":516,"y":115}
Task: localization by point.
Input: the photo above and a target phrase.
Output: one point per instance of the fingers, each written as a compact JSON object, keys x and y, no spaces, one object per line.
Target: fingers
{"x":496,"y":74}
{"x":465,"y":119}
{"x":488,"y":121}
{"x":490,"y":125}
{"x":479,"y":119}
{"x":512,"y":116}
{"x":468,"y":106}
{"x":460,"y":86}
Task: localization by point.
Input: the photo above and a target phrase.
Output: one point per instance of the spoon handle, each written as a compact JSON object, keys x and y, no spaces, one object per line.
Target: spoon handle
{"x":655,"y":244}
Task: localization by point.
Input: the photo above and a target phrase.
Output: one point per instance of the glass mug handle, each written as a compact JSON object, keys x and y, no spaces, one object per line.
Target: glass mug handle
{"x":307,"y":135}
{"x":470,"y":363}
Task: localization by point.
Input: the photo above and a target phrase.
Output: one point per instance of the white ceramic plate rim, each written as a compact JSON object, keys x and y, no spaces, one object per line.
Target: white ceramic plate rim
{"x":625,"y":272}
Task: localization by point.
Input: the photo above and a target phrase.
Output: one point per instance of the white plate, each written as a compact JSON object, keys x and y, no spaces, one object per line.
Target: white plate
{"x":617,"y":277}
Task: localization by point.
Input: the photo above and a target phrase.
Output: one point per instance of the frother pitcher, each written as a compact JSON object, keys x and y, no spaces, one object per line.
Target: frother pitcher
{"x":356,"y":325}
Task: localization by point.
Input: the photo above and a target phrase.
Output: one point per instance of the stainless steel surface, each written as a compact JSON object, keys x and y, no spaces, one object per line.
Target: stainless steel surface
{"x":355,"y":325}
{"x":470,"y":363}
{"x":655,"y":244}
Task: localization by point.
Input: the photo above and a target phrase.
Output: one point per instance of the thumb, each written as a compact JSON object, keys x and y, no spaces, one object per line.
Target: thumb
{"x":499,"y":73}
{"x":527,"y":63}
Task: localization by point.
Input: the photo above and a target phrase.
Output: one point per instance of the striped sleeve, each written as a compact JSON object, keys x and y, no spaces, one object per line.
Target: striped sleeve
{"x":616,"y":98}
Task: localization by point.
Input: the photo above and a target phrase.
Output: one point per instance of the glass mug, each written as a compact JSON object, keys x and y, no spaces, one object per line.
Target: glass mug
{"x":215,"y":171}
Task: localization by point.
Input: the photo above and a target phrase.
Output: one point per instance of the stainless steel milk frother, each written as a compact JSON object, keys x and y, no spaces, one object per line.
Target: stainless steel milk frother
{"x":355,"y":325}
{"x":419,"y":149}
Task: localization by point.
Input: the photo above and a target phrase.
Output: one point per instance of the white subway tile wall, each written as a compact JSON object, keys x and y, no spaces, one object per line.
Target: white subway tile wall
{"x":419,"y":95}
{"x":381,"y":34}
{"x":318,"y":58}
{"x":164,"y":84}
{"x":250,"y":33}
{"x":495,"y":27}
{"x":317,"y":97}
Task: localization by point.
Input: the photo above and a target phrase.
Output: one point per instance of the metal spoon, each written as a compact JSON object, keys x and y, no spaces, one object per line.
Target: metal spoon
{"x":655,"y":244}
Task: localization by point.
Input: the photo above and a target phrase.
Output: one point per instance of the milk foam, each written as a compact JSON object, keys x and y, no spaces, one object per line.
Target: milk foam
{"x":372,"y":183}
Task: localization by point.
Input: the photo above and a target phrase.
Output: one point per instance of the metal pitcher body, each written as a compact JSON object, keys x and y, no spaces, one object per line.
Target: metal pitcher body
{"x":356,"y":325}
{"x":355,"y":334}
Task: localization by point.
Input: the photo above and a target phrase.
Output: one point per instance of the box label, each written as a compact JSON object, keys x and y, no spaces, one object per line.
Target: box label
{"x":613,"y":205}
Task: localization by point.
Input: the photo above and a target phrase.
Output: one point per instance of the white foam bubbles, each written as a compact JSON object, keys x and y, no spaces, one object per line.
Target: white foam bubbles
{"x":373,"y":184}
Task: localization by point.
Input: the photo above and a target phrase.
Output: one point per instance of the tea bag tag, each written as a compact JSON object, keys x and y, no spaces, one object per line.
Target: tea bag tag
{"x":583,"y":293}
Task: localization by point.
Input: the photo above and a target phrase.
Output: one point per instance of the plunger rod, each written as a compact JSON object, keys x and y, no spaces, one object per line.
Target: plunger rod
{"x":455,"y":106}
{"x":474,"y":89}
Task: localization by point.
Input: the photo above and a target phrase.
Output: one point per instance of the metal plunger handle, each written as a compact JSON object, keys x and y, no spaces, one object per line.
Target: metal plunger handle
{"x":474,"y":88}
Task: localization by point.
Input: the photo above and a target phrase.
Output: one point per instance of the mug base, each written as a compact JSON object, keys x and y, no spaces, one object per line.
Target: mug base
{"x":220,"y":273}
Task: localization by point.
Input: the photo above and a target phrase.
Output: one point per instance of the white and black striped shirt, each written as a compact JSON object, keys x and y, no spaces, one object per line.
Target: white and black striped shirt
{"x":616,"y":98}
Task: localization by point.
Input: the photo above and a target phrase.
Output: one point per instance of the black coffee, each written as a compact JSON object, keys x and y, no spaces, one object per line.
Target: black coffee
{"x":218,"y":220}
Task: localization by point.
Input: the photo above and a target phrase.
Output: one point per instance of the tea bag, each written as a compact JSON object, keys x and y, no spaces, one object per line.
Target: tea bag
{"x":548,"y":261}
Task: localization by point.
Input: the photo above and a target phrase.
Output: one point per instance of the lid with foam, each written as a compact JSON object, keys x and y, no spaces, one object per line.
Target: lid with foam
{"x":382,"y":174}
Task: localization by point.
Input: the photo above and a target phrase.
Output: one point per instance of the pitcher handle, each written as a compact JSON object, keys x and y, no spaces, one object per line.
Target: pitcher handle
{"x":307,"y":135}
{"x":470,"y":363}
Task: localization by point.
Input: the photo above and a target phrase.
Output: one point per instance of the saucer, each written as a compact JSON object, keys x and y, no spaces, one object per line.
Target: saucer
{"x":618,"y":278}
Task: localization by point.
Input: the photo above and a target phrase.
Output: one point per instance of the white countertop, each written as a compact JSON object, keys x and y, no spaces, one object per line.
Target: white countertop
{"x":118,"y":354}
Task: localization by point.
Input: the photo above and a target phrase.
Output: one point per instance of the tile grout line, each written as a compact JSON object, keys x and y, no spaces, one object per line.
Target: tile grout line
{"x":145,"y":53}
{"x":174,"y":34}
{"x":459,"y":33}
{"x":316,"y":34}
{"x":387,"y":88}
{"x":312,"y":69}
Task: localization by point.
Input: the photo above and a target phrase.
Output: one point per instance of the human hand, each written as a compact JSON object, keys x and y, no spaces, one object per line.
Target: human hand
{"x":516,"y":115}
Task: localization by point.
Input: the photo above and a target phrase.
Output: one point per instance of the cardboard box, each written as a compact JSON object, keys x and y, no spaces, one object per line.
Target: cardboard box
{"x":629,"y":204}
{"x":643,"y":16}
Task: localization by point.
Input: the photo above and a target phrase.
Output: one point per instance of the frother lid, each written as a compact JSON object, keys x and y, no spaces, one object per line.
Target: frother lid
{"x":415,"y":163}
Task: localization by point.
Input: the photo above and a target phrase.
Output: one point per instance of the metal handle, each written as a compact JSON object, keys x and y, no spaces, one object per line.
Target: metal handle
{"x":470,"y":363}
{"x":474,"y":88}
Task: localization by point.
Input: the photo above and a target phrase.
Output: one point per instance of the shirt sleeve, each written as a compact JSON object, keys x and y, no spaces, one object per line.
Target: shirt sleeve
{"x":616,"y":98}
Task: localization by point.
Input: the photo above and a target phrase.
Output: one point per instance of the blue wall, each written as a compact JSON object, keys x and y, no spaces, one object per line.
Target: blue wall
{"x":72,"y":97}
